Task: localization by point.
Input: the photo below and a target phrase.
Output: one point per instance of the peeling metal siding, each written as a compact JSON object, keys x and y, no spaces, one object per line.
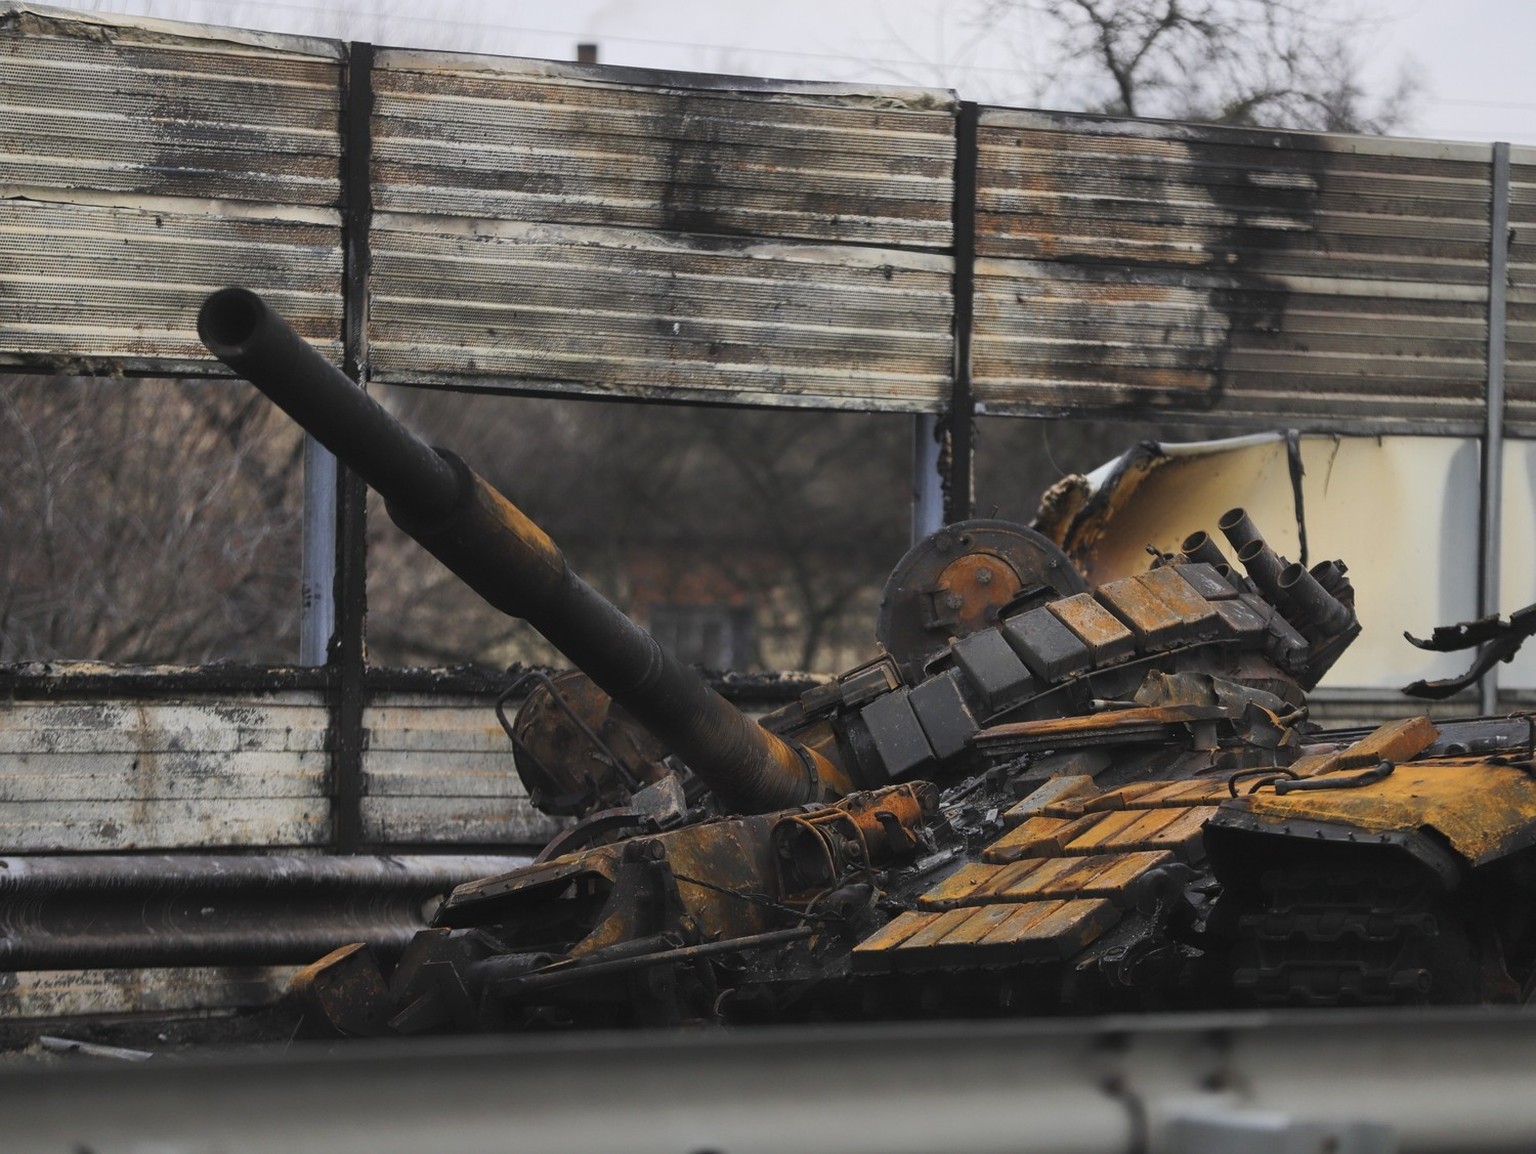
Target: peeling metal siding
{"x":1235,"y":274}
{"x":722,"y":243}
{"x":1520,"y":319}
{"x":639,"y":313}
{"x":252,"y":772}
{"x":107,"y":776}
{"x":438,"y":771}
{"x":140,"y":169}
{"x":566,"y":229}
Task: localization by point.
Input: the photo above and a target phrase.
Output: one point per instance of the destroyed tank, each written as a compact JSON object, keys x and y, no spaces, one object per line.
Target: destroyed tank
{"x":1042,"y":797}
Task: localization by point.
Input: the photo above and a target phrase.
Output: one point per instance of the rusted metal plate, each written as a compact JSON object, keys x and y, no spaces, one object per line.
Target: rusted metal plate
{"x":1198,"y":614}
{"x":978,"y":925}
{"x":1154,"y":623}
{"x":147,"y":164}
{"x":1038,"y":837}
{"x":892,"y":934}
{"x":936,"y":930}
{"x":1483,"y":811}
{"x":1027,"y":931}
{"x":1067,"y":788}
{"x":1177,"y":831}
{"x":1065,"y":928}
{"x":1096,"y":626}
{"x":1110,"y":832}
{"x":1395,"y":741}
{"x":1230,"y":274}
{"x":1118,"y":798}
{"x":977,"y":882}
{"x":1177,"y":795}
{"x":1041,"y":879}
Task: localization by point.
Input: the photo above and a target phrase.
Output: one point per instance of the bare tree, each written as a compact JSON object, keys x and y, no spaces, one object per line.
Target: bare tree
{"x":1284,"y":63}
{"x":146,"y":521}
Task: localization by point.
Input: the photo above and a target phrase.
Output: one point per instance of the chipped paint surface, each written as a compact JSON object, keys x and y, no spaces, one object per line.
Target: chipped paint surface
{"x":1483,"y":811}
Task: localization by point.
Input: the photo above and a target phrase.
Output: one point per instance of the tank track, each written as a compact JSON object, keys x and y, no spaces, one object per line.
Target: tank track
{"x":1362,"y":936}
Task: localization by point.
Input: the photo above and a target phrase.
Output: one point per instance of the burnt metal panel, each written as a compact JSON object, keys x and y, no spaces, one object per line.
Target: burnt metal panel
{"x":897,"y":733}
{"x":1520,"y":314}
{"x":581,"y":230}
{"x":107,"y":769}
{"x":658,"y":315}
{"x":107,"y":776}
{"x":437,"y":770}
{"x":534,"y":141}
{"x":993,"y":668}
{"x":145,"y":164}
{"x":942,"y":711}
{"x":1048,"y":647}
{"x":1230,"y":275}
{"x":93,"y":286}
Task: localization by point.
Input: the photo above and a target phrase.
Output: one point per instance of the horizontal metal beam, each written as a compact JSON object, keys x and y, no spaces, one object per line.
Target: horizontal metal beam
{"x":1301,"y":1081}
{"x":201,"y":910}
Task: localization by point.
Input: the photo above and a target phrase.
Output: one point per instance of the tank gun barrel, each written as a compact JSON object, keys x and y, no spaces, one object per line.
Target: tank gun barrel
{"x":493,"y":547}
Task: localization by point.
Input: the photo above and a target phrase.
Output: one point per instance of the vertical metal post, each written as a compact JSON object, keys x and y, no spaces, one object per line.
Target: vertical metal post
{"x":962,"y":408}
{"x":317,"y":609}
{"x":927,"y":478}
{"x":1492,"y":497}
{"x":349,"y":653}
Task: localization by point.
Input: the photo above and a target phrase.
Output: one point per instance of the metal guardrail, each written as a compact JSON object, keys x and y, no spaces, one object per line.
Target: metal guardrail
{"x":116,"y":910}
{"x":1295,"y":1082}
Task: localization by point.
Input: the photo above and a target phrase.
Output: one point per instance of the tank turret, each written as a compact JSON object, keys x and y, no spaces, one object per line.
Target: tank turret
{"x":490,"y":544}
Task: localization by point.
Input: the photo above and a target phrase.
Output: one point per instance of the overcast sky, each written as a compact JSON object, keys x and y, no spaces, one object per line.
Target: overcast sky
{"x":1473,"y":57}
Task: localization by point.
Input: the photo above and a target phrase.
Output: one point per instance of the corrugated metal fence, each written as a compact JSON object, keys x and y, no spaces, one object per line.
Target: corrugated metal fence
{"x":534,"y":226}
{"x":1252,"y":276}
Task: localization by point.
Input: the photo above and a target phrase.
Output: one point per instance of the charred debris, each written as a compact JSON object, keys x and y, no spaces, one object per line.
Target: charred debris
{"x":1042,"y":797}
